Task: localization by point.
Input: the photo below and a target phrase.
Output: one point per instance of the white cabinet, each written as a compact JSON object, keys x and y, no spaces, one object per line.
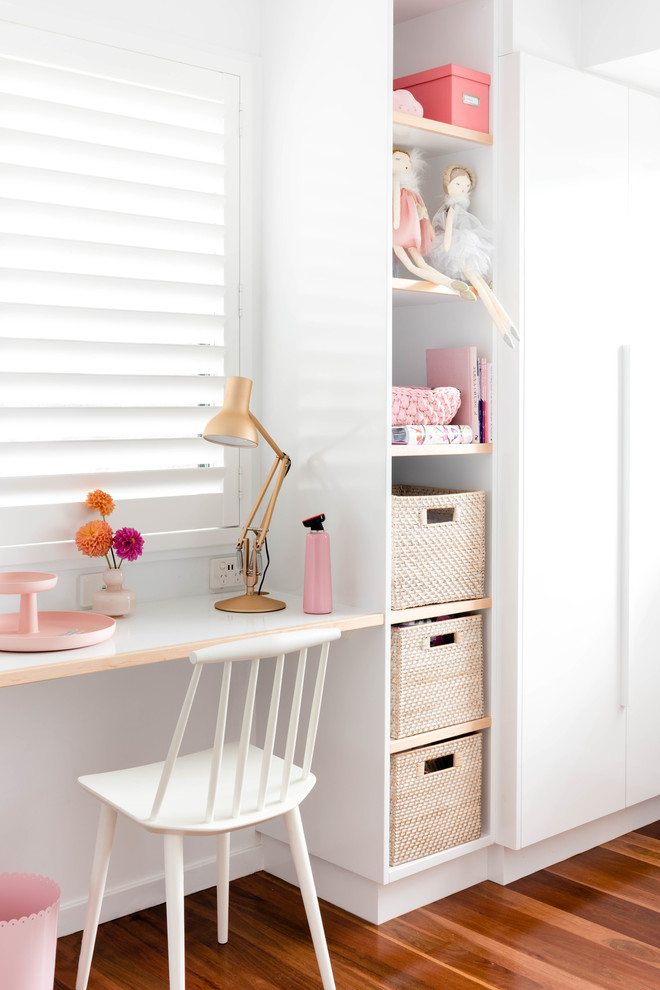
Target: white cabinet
{"x":640,"y":646}
{"x":561,"y":683}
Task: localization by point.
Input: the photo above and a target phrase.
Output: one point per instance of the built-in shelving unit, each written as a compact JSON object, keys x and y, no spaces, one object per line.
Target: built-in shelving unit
{"x":435,"y":139}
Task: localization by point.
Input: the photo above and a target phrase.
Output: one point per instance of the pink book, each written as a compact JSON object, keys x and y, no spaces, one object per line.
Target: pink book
{"x":457,"y":366}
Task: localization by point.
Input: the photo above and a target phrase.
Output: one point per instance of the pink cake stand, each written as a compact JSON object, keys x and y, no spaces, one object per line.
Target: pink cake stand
{"x":31,"y":631}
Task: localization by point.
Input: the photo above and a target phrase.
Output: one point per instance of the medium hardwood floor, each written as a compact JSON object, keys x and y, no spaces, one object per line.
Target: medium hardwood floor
{"x":590,"y":921}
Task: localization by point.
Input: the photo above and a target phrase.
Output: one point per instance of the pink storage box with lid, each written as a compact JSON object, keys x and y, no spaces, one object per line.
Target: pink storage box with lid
{"x":452,"y":94}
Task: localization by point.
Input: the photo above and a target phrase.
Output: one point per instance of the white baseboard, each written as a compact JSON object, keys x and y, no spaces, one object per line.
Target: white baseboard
{"x":148,"y":891}
{"x":376,"y":902}
{"x":506,"y":865}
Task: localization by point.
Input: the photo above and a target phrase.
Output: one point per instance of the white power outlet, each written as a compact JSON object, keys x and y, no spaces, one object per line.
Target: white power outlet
{"x":224,"y":574}
{"x":87,"y":585}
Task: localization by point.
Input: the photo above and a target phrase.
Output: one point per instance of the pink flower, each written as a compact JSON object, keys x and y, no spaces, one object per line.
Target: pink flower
{"x":128,"y":543}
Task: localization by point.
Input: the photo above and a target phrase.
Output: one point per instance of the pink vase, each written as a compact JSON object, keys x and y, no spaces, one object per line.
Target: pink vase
{"x":114,"y":599}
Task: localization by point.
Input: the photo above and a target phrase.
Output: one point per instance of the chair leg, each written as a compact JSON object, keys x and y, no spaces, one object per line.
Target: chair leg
{"x":174,"y":900}
{"x":222,"y":859}
{"x":104,"y":837}
{"x":301,"y":862}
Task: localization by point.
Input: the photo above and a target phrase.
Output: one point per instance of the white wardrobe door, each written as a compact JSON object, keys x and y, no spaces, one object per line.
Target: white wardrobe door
{"x":643,"y":592}
{"x":575,"y":188}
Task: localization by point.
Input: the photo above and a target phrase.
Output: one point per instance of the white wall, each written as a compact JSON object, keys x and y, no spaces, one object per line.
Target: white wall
{"x":546,"y":28}
{"x":55,"y":731}
{"x":224,"y":25}
{"x":612,"y":30}
{"x":325,"y":263}
{"x":325,"y":376}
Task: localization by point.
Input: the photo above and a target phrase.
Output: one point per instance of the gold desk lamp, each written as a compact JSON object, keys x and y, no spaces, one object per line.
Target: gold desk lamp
{"x":235,"y":426}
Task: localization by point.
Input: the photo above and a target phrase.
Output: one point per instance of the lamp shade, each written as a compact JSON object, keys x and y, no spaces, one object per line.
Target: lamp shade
{"x":233,"y":425}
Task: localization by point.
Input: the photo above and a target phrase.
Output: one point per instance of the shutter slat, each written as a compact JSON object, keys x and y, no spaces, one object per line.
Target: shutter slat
{"x":61,"y":521}
{"x":30,"y":425}
{"x":64,"y":489}
{"x":52,"y":357}
{"x":111,"y":293}
{"x":70,"y":323}
{"x":109,"y":260}
{"x":103,"y":161}
{"x":75,"y":391}
{"x":44,"y":220}
{"x":52,"y":120}
{"x":86,"y":191}
{"x":105,"y":456}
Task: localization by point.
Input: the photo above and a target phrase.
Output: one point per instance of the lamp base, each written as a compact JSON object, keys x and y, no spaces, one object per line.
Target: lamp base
{"x":250,"y":603}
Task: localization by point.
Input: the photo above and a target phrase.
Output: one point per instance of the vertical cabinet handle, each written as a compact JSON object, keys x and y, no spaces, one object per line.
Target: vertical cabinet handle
{"x":625,"y":434}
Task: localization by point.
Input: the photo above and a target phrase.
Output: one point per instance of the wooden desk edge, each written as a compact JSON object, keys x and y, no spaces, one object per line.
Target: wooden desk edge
{"x":70,"y":667}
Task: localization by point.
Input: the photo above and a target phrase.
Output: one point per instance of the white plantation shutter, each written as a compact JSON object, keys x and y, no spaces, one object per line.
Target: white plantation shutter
{"x":118,"y":292}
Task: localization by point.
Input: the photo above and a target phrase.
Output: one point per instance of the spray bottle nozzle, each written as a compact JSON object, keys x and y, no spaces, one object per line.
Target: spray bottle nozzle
{"x":315,"y":523}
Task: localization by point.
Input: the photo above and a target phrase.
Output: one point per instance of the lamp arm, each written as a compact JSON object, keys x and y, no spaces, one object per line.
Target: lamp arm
{"x":258,"y":501}
{"x":269,"y":440}
{"x":284,"y":464}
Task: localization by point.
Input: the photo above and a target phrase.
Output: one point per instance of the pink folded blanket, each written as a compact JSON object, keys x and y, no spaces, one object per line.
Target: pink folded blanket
{"x":424,"y":406}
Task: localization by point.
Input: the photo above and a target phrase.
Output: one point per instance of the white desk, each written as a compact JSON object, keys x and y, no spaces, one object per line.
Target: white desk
{"x":170,"y":629}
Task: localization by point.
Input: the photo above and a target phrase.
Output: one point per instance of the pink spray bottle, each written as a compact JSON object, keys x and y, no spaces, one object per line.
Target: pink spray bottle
{"x":317,"y":594}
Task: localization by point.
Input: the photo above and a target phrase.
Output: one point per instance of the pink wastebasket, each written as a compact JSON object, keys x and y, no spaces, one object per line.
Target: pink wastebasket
{"x":29,"y":907}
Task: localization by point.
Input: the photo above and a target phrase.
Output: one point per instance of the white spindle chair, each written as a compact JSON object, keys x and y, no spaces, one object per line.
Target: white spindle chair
{"x":213,"y":792}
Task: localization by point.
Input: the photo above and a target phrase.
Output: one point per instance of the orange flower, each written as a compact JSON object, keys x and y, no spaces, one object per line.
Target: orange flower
{"x":94,"y":539}
{"x":100,"y":501}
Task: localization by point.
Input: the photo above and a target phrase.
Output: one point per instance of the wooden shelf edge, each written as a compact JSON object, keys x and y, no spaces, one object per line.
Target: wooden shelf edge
{"x":445,"y":608}
{"x":419,"y":285}
{"x":439,"y":735}
{"x":440,"y":128}
{"x":437,"y":449}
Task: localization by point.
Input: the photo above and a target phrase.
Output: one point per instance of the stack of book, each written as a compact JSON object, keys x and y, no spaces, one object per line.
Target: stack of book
{"x":461,"y":368}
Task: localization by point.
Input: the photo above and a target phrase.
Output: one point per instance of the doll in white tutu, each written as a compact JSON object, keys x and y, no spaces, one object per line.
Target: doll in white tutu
{"x":412,"y":232}
{"x":462,"y":246}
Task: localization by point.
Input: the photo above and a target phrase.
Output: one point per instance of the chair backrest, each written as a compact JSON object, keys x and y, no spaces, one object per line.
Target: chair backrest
{"x":255,"y":649}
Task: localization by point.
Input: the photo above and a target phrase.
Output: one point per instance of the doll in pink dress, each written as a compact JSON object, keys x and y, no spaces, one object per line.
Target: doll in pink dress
{"x":412,"y":232}
{"x":463,"y":246}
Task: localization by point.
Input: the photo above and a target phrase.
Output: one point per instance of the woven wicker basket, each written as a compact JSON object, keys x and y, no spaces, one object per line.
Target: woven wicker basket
{"x":436,"y":675}
{"x":438,"y":545}
{"x":435,"y":798}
